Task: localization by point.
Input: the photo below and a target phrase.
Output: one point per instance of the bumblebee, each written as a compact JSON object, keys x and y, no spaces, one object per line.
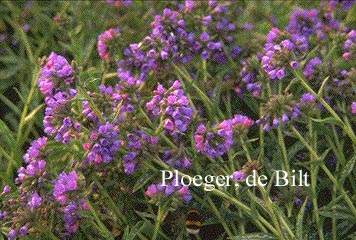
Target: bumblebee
{"x":193,"y":222}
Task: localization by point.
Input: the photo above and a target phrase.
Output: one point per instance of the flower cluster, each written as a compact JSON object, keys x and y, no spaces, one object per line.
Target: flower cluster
{"x":63,"y":184}
{"x":71,"y":216}
{"x":171,"y":39}
{"x":56,"y":78}
{"x":118,"y":3}
{"x":249,"y":74}
{"x":279,"y":56}
{"x":343,"y":84}
{"x":278,"y":110}
{"x":103,"y":144}
{"x":176,"y":159}
{"x":172,"y":107}
{"x":158,"y":191}
{"x":55,"y":74}
{"x":350,"y":46}
{"x":32,"y":180}
{"x":218,"y":140}
{"x":309,"y":68}
{"x":138,"y":143}
{"x":105,"y":40}
{"x":304,"y":22}
{"x":34,"y":158}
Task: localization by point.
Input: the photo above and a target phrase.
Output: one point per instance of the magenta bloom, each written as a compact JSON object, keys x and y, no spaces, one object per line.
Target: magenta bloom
{"x":238,"y":175}
{"x":353,"y":107}
{"x":103,"y":41}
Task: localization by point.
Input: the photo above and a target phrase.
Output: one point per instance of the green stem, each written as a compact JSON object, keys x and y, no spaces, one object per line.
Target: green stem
{"x":326,"y":170}
{"x":244,"y":147}
{"x":158,"y":223}
{"x":97,"y":219}
{"x":113,"y":206}
{"x":345,"y":127}
{"x":284,"y":152}
{"x":218,"y":215}
{"x":314,"y":176}
{"x":209,"y":104}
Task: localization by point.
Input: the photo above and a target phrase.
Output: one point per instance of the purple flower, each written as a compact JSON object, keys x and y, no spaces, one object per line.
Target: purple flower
{"x":353,"y":108}
{"x":12,"y":234}
{"x":204,"y":37}
{"x":6,"y":189}
{"x":238,"y":175}
{"x":309,"y":68}
{"x":307,"y":98}
{"x":35,"y":200}
{"x":219,"y":139}
{"x":304,"y":22}
{"x":298,"y":201}
{"x":173,"y":106}
{"x":105,"y":144}
{"x":104,"y":41}
{"x":54,"y":73}
{"x":23,"y":230}
{"x":64,"y":183}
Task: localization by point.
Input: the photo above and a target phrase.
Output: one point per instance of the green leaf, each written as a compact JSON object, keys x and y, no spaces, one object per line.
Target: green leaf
{"x":10,"y":104}
{"x":348,"y":168}
{"x":145,"y":215}
{"x":338,"y":212}
{"x":299,"y":224}
{"x":145,"y":177}
{"x":254,"y":236}
{"x":331,"y":120}
{"x":8,"y":73}
{"x":350,"y":18}
{"x":33,"y":113}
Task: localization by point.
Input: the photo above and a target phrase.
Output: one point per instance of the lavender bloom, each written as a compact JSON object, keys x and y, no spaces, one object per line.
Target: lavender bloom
{"x":219,"y":140}
{"x":309,"y":68}
{"x":12,"y":234}
{"x":178,"y":162}
{"x":105,"y":144}
{"x":279,"y":110}
{"x":137,"y":142}
{"x":70,"y":217}
{"x":304,"y":22}
{"x":104,"y":41}
{"x":238,"y":175}
{"x":64,"y":183}
{"x":277,"y":57}
{"x":298,"y":201}
{"x":6,"y":190}
{"x":307,"y":98}
{"x":23,"y":230}
{"x":350,"y":46}
{"x":35,"y":200}
{"x":54,"y":73}
{"x":173,"y":107}
{"x":33,"y":159}
{"x":158,"y":191}
{"x":189,"y":5}
{"x":55,"y":79}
